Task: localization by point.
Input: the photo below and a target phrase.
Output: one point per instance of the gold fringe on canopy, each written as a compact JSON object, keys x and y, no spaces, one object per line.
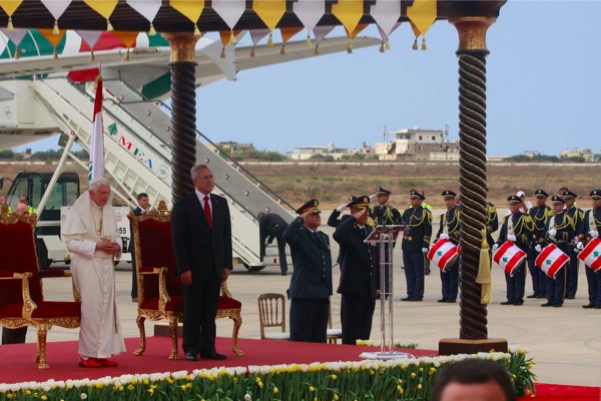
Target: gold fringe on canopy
{"x":484,"y":277}
{"x":422,"y":15}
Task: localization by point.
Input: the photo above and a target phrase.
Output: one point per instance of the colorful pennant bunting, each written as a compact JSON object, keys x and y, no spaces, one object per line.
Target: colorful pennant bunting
{"x":230,"y":12}
{"x":190,"y":9}
{"x":104,"y":8}
{"x":309,"y":12}
{"x":9,"y":7}
{"x":53,"y":39}
{"x":91,"y":38}
{"x":148,"y":9}
{"x":386,"y":13}
{"x":422,"y":15}
{"x":320,"y":33}
{"x":256,"y":35}
{"x":349,"y":13}
{"x":270,"y":12}
{"x":287,"y":34}
{"x":56,"y":8}
{"x":16,"y":36}
{"x":129,"y":40}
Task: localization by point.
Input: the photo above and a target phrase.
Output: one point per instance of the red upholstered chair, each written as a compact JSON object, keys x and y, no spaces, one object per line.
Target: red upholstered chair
{"x":159,"y":286}
{"x":22,"y":302}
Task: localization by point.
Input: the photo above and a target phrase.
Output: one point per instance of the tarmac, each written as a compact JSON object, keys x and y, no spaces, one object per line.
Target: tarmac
{"x":565,"y":342}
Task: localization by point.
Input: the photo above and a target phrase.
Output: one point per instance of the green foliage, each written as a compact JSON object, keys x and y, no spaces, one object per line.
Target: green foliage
{"x":47,"y":155}
{"x":318,"y":156}
{"x":7,"y":154}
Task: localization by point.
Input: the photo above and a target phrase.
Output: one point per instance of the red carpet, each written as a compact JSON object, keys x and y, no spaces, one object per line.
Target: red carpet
{"x":17,"y":361}
{"x":557,"y":392}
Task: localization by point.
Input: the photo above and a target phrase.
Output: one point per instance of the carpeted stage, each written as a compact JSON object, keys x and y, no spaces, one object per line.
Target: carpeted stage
{"x":17,"y":362}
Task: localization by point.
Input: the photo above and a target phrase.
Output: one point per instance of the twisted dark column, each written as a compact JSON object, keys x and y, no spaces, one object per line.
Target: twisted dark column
{"x":472,"y":179}
{"x":473,"y":335}
{"x":183,"y":109}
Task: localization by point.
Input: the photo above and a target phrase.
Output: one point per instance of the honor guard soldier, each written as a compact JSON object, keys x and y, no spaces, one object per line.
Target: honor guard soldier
{"x":591,"y":228}
{"x":576,"y":216}
{"x":558,"y":231}
{"x":492,"y":224}
{"x":311,"y":283}
{"x":383,"y":214}
{"x":336,"y":216}
{"x":415,"y":245}
{"x":450,"y":230}
{"x":517,"y":228}
{"x":359,"y":273}
{"x":539,"y":215}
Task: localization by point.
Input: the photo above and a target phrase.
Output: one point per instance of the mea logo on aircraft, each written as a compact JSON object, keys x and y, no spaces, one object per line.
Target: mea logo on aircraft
{"x":114,"y":131}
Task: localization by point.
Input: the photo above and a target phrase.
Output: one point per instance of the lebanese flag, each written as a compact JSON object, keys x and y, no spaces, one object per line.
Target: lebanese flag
{"x":96,"y":166}
{"x":591,"y":254}
{"x":509,"y":257}
{"x":551,"y":260}
{"x":443,"y":254}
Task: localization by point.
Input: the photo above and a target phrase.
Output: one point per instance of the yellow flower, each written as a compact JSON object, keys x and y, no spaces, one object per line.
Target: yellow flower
{"x":223,"y":372}
{"x":271,"y":370}
{"x":421,"y":369}
{"x":334,"y":377}
{"x":28,"y":392}
{"x":315,"y":399}
{"x":521,"y":351}
{"x":258,"y":379}
{"x":419,"y":386}
{"x":145,"y":382}
{"x":403,"y":367}
{"x":99,"y":385}
{"x":151,"y":391}
{"x":188,"y":385}
{"x":169,"y":380}
{"x":371,"y":372}
{"x":134,"y":381}
{"x":121,"y":388}
{"x":152,"y":387}
{"x":276,"y":390}
{"x":399,"y":389}
{"x":413,"y":375}
{"x":183,"y":387}
{"x":10,"y":396}
{"x":400,"y":381}
{"x":44,"y":398}
{"x":260,"y":384}
{"x":336,"y":398}
{"x":311,"y":389}
{"x":235,"y":380}
{"x":130,"y":387}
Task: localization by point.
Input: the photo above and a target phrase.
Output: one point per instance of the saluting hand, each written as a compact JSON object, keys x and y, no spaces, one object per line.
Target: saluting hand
{"x":360,"y":214}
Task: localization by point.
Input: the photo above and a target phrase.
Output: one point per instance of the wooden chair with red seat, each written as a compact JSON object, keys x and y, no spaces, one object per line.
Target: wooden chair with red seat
{"x":22,"y":303}
{"x":159,"y":286}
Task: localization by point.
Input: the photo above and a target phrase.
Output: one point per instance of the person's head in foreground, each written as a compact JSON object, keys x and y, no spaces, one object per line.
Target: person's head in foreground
{"x":473,"y":380}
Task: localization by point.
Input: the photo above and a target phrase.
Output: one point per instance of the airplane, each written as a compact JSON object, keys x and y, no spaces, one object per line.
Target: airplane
{"x":146,"y":69}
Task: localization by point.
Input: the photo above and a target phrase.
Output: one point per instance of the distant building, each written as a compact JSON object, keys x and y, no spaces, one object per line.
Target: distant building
{"x":307,"y":152}
{"x":235,"y":147}
{"x":587,"y":154}
{"x":418,"y":144}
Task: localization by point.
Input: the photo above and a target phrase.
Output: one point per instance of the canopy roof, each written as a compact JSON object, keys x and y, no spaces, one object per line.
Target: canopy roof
{"x":81,"y":14}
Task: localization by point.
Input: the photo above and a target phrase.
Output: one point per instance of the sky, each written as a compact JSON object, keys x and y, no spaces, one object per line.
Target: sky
{"x":543,"y":88}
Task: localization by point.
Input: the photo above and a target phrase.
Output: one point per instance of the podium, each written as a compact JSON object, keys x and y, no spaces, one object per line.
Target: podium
{"x":384,"y":237}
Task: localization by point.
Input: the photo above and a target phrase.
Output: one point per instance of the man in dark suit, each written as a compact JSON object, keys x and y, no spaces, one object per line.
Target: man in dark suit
{"x":359,"y":278}
{"x":311,"y":284}
{"x":202,"y":240}
{"x":273,"y":226}
{"x":143,"y":207}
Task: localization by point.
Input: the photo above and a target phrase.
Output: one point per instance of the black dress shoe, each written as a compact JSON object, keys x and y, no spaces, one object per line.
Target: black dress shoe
{"x":507,"y":303}
{"x":532,"y":296}
{"x":589,"y":306}
{"x":547,"y":304}
{"x":191,"y":356}
{"x":406,"y":299}
{"x":520,"y":302}
{"x":213,"y":355}
{"x":597,"y":306}
{"x":442,"y":300}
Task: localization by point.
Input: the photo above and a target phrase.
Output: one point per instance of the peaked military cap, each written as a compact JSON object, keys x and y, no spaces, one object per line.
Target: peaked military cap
{"x":539,"y":193}
{"x":360,"y":202}
{"x":557,"y":200}
{"x":514,"y":200}
{"x":311,"y":205}
{"x":351,"y":199}
{"x":448,"y":194}
{"x":414,"y":193}
{"x":382,"y":191}
{"x":569,"y":195}
{"x":596,"y":194}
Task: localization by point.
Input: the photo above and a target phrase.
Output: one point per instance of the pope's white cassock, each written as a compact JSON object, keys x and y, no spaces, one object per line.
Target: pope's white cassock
{"x":94,"y":276}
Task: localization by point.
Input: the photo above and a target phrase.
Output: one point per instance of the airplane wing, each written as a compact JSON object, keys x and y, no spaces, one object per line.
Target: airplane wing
{"x":148,"y":69}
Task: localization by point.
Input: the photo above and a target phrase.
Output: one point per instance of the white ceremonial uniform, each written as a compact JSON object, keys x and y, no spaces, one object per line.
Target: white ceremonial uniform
{"x":94,"y":276}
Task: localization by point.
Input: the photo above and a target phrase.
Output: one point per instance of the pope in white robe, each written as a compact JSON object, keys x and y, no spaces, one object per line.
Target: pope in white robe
{"x":92,"y":238}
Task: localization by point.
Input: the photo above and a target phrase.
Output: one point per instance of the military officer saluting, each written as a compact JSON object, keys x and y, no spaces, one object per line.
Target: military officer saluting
{"x":450,"y":229}
{"x":311,"y":283}
{"x":415,"y":245}
{"x":576,"y":216}
{"x":336,"y":216}
{"x":383,"y":214}
{"x":517,"y":228}
{"x":558,"y":231}
{"x":591,"y":228}
{"x":359,"y":273}
{"x":539,"y":215}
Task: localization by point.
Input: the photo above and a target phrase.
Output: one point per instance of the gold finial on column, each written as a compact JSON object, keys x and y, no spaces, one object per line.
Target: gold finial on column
{"x":472,"y":32}
{"x":182,"y":46}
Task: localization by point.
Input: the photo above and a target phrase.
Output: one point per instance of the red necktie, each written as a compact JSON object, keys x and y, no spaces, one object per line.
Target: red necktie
{"x":207,"y":209}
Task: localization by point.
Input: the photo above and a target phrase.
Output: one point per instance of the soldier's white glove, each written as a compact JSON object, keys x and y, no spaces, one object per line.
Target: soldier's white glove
{"x":580,"y":246}
{"x":372,"y":197}
{"x":511,"y":238}
{"x":495,"y":247}
{"x":593,"y":233}
{"x":538,"y":248}
{"x":424,"y":250}
{"x":341,"y":208}
{"x":444,"y":236}
{"x":552,"y":232}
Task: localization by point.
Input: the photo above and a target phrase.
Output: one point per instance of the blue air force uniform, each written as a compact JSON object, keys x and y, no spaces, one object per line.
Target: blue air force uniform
{"x":450,"y":224}
{"x":522,"y":230}
{"x":561,"y":223}
{"x":539,"y":216}
{"x":592,"y":224}
{"x":311,"y":282}
{"x":416,"y":238}
{"x":576,"y":216}
{"x":359,"y":279}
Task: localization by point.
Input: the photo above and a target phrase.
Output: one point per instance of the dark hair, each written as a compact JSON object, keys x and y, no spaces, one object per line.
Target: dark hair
{"x":142,"y":195}
{"x":470,"y":371}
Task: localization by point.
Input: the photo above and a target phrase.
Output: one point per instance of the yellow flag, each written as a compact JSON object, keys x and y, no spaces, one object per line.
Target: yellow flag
{"x":10,"y":6}
{"x":422,"y":15}
{"x":102,"y":7}
{"x":270,"y":11}
{"x":191,"y":9}
{"x":127,"y":37}
{"x":52,"y":37}
{"x":349,"y":13}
